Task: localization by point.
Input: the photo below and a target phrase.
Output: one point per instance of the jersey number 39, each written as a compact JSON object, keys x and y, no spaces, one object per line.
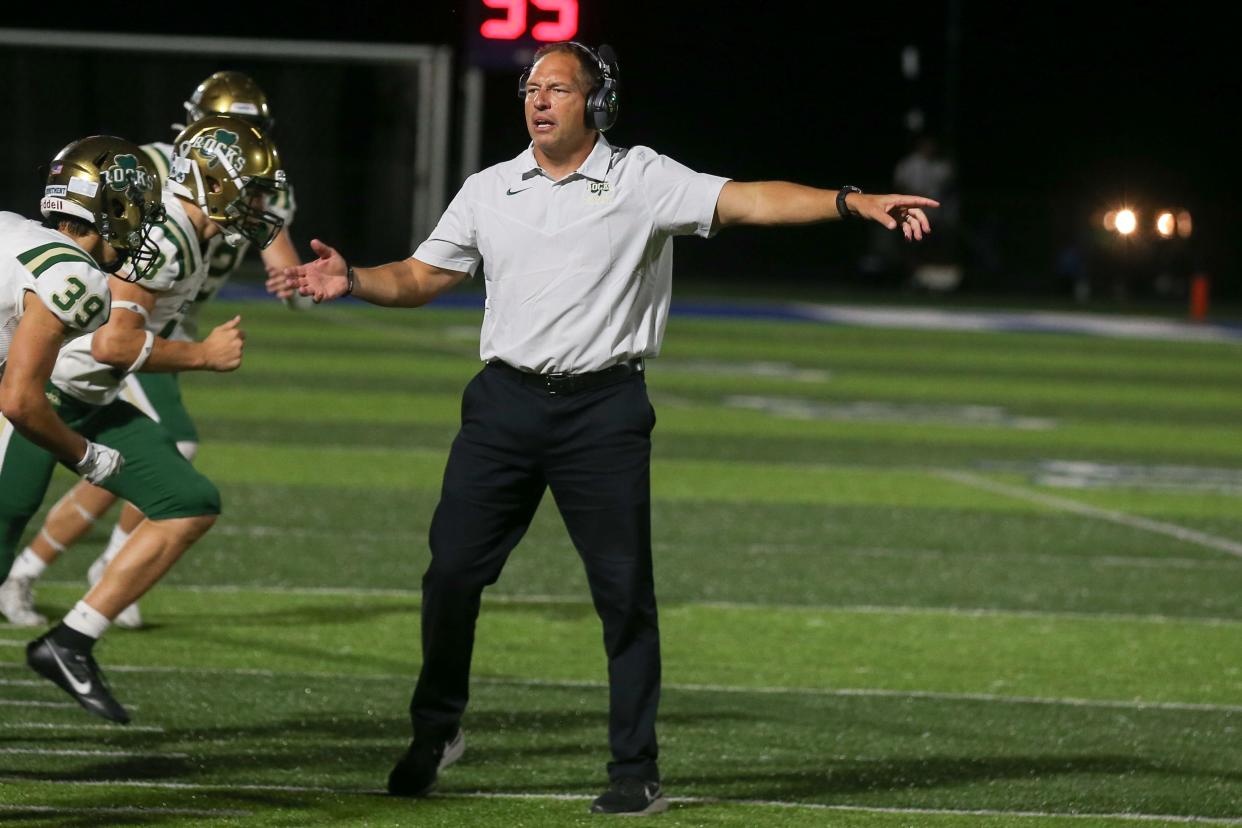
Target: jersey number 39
{"x":89,"y":309}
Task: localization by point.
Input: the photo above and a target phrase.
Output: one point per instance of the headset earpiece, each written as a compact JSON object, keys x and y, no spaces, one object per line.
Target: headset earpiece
{"x":603,"y":103}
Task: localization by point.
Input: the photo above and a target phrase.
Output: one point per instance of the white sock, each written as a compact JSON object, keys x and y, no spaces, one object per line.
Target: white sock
{"x":87,"y":620}
{"x":28,"y":565}
{"x":119,"y":536}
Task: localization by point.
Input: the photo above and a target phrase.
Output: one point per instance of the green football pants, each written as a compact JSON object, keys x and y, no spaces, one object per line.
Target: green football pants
{"x":155,"y":477}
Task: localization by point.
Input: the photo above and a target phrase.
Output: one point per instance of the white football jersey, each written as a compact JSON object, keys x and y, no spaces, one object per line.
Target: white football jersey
{"x":46,"y":262}
{"x":177,"y":280}
{"x":222,"y":259}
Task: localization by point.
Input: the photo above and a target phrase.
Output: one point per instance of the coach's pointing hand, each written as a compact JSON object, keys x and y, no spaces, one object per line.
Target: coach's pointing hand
{"x":326,"y":277}
{"x":893,"y":211}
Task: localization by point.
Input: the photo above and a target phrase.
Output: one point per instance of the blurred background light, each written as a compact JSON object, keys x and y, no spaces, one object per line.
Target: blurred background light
{"x":1165,"y":224}
{"x":1184,"y":224}
{"x":1126,"y":221}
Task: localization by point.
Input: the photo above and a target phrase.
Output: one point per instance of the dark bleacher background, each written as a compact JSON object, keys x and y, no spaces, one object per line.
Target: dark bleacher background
{"x":1053,"y":112}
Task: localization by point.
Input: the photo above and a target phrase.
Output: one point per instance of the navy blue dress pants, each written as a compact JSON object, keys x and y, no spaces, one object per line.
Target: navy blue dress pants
{"x":592,"y":449}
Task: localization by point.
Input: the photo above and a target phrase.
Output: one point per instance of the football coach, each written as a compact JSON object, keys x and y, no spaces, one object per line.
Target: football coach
{"x":577,"y":238}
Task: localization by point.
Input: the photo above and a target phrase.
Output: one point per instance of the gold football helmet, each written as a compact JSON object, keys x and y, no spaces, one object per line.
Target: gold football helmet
{"x":231,"y":170}
{"x":108,"y":182}
{"x":230,"y":93}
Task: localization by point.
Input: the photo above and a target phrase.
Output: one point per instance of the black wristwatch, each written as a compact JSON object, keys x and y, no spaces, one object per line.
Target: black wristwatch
{"x":845,"y":211}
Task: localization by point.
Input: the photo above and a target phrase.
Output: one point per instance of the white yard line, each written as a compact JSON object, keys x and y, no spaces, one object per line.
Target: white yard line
{"x":136,"y":810}
{"x":124,"y":754}
{"x":687,"y":800}
{"x":1159,"y":527}
{"x":837,"y":692}
{"x":22,"y":683}
{"x":846,"y":692}
{"x":582,"y":600}
{"x":56,"y":726}
{"x":25,"y":703}
{"x":8,"y":642}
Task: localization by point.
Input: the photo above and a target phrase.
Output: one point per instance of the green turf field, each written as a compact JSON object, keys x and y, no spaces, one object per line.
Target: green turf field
{"x":906,"y":579}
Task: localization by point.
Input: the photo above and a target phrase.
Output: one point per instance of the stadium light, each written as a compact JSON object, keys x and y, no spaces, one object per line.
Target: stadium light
{"x":1166,"y":225}
{"x":1110,"y":220}
{"x":1126,"y":221}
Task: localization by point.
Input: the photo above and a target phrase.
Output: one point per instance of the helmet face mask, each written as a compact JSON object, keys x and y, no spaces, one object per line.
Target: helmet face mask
{"x":231,"y":170}
{"x":144,"y":253}
{"x":252,"y":220}
{"x":105,"y":180}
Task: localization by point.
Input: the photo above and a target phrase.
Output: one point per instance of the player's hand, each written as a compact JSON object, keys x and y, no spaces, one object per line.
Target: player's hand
{"x":282,"y":282}
{"x":222,"y":349}
{"x":99,"y":463}
{"x":325,"y":278}
{"x":893,"y":211}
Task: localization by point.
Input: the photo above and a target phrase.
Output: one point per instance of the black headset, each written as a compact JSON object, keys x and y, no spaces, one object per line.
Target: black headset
{"x":602,"y":104}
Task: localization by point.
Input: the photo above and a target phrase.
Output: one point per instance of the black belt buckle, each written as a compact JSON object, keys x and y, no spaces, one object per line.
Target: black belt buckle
{"x":559,"y":383}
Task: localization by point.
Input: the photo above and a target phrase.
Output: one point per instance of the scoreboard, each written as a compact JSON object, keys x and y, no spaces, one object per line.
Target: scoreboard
{"x":503,"y":34}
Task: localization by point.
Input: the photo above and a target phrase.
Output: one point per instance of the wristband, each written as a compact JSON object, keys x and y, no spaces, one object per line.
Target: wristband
{"x":845,"y":211}
{"x":143,"y":355}
{"x":349,"y":279}
{"x":132,"y":307}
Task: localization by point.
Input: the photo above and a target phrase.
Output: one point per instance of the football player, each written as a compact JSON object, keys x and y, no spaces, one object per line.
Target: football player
{"x":224,"y":175}
{"x":100,"y":202}
{"x":159,"y":395}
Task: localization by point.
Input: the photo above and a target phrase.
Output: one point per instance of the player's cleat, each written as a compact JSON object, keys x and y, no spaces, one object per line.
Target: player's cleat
{"x":415,"y":773}
{"x":129,"y":618}
{"x":17,"y":603}
{"x":75,"y":672}
{"x":631,"y":796}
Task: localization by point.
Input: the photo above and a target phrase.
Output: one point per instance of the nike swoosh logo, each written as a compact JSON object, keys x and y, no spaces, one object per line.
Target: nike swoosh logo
{"x":80,"y":686}
{"x":512,"y":191}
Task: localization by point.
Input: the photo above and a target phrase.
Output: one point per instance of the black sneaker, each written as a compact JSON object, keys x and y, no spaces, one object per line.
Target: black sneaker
{"x":631,"y":796}
{"x":75,"y":672}
{"x":415,"y":772}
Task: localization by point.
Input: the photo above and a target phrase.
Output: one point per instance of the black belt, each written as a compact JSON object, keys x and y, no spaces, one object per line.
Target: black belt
{"x":563,"y":383}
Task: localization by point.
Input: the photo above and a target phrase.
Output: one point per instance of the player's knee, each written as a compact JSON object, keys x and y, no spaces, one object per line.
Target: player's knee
{"x":197,"y":497}
{"x":206,"y":498}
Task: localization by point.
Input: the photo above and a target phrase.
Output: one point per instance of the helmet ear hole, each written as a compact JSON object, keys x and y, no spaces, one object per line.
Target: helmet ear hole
{"x":117,"y":207}
{"x":214,"y":185}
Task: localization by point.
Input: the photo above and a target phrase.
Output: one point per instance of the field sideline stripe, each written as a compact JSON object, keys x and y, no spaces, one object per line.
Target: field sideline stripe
{"x":867,"y":609}
{"x":834,"y":692}
{"x":688,"y":800}
{"x":1159,"y":527}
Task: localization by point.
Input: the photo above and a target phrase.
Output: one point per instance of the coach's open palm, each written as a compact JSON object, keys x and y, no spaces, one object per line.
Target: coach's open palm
{"x":223,"y":346}
{"x":325,"y":278}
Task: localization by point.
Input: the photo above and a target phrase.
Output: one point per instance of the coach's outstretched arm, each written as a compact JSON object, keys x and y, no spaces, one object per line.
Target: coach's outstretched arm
{"x":409,"y":283}
{"x":783,"y":202}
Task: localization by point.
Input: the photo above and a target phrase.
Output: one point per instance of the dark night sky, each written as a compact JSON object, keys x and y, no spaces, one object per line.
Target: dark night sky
{"x":1062,"y":108}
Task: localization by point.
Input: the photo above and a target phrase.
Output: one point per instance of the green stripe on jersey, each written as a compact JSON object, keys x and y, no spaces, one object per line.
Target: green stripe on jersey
{"x":185,"y":250}
{"x":38,"y":259}
{"x":158,"y":160}
{"x":44,"y":262}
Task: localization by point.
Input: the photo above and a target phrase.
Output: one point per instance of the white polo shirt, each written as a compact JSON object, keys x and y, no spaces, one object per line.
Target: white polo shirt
{"x":579,"y":271}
